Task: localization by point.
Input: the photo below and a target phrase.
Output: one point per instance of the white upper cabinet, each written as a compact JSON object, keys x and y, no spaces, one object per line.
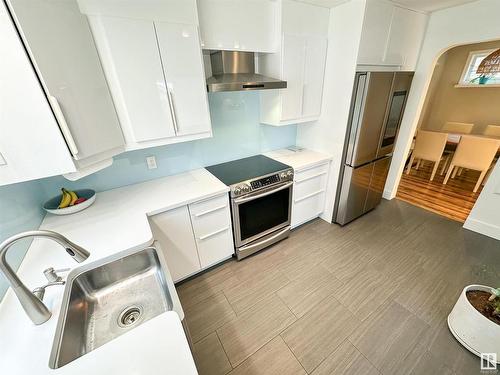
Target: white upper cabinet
{"x":138,"y":83}
{"x":183,"y":67}
{"x":301,"y":62}
{"x":31,"y":144}
{"x":239,"y":25}
{"x":60,"y":44}
{"x":154,"y":66}
{"x":391,"y":36}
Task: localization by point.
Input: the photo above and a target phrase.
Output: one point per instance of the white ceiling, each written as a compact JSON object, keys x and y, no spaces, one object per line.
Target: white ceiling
{"x":423,"y":5}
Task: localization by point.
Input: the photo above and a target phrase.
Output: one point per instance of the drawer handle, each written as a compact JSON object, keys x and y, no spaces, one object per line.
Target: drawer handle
{"x":212,"y":234}
{"x":210,"y":211}
{"x":310,"y":195}
{"x":310,"y":177}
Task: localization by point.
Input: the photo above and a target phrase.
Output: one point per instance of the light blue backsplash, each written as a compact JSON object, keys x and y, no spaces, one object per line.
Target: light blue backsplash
{"x":21,"y":210}
{"x":237,"y":133}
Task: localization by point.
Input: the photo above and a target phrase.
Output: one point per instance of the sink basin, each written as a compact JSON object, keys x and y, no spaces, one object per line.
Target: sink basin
{"x":107,"y":298}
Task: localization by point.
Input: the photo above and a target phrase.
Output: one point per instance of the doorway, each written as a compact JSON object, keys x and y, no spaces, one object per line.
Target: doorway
{"x":461,"y":104}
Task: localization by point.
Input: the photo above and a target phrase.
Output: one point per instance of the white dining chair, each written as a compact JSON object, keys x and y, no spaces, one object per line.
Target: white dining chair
{"x":473,"y":153}
{"x":492,"y":131}
{"x":428,"y":146}
{"x":457,"y":127}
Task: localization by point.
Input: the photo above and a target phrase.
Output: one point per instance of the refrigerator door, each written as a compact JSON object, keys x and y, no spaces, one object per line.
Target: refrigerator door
{"x":377,"y":182}
{"x":399,"y":94}
{"x":371,"y":96}
{"x":354,"y":192}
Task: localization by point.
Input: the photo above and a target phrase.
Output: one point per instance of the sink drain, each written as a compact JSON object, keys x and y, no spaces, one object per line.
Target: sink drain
{"x":129,"y":316}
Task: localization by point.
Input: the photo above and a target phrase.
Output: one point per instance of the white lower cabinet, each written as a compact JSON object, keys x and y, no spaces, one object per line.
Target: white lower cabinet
{"x":309,"y":191}
{"x":172,"y":229}
{"x":195,"y":237}
{"x":211,"y":222}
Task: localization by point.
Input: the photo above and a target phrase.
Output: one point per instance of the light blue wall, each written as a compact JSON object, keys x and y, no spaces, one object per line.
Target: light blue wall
{"x":20,"y":207}
{"x":236,"y":134}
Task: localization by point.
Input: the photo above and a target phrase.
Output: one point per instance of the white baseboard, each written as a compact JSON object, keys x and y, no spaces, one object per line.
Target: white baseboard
{"x":479,"y":226}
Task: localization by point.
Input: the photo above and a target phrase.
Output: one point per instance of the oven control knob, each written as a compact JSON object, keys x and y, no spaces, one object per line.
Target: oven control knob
{"x":245,"y":189}
{"x":237,"y":190}
{"x":282,"y":175}
{"x":289,"y":174}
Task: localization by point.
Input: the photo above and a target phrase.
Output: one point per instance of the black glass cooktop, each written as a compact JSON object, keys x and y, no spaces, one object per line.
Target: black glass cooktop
{"x":240,"y":170}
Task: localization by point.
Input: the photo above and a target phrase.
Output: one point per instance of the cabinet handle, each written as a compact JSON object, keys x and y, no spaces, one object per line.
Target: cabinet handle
{"x":171,"y":103}
{"x":212,"y":234}
{"x":63,"y":125}
{"x":309,"y":195}
{"x":309,"y":178}
{"x":210,"y":211}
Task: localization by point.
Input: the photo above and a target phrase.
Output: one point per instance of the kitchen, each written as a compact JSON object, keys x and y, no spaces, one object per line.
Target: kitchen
{"x":119,"y":98}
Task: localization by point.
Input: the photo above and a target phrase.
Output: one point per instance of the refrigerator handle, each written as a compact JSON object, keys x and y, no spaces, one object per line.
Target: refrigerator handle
{"x":357,"y":111}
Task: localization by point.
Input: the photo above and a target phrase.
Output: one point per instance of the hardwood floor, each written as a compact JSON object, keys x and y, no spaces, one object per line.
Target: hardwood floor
{"x":453,"y":200}
{"x":365,"y":299}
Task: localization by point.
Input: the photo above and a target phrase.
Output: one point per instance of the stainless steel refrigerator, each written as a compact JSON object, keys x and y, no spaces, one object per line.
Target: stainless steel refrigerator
{"x":377,"y":106}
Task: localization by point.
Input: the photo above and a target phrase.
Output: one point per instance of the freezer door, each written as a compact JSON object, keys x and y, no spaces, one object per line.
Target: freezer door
{"x":371,"y":97}
{"x":377,"y":182}
{"x":355,"y":188}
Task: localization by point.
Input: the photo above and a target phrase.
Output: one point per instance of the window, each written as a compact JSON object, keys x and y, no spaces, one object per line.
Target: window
{"x":469,"y":75}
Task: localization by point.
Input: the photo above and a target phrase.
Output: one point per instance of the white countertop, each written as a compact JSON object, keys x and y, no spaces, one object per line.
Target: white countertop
{"x":299,"y":160}
{"x":117,"y":221}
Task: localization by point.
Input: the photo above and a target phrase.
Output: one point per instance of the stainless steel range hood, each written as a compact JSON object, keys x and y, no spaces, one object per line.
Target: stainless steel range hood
{"x":235,"y":71}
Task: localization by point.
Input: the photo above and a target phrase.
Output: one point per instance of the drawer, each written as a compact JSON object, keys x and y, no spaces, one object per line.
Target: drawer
{"x":307,"y":208}
{"x":310,"y":182}
{"x":215,"y":247}
{"x":210,"y":216}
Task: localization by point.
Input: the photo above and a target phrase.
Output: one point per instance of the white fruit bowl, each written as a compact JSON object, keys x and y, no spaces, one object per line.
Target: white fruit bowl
{"x":52,"y":204}
{"x":471,"y":328}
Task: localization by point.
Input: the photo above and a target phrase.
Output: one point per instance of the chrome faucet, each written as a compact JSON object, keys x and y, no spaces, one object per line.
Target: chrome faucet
{"x":34,"y":307}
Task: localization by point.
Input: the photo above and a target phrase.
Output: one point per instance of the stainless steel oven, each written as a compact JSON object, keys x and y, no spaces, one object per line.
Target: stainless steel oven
{"x":261,"y":201}
{"x":262,"y":217}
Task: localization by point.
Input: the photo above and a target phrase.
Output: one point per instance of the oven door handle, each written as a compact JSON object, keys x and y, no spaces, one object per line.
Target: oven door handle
{"x":272,"y":191}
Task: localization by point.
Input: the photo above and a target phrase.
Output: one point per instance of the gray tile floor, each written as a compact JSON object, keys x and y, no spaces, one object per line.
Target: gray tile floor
{"x":368,"y":298}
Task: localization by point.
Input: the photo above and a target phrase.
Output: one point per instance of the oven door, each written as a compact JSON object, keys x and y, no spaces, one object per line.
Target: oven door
{"x":259,"y":214}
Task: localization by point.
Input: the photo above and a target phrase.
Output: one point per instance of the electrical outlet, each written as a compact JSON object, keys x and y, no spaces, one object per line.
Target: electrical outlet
{"x":151,"y":162}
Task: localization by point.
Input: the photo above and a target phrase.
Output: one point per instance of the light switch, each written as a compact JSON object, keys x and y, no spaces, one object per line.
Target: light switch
{"x":151,"y":161}
{"x":2,"y":160}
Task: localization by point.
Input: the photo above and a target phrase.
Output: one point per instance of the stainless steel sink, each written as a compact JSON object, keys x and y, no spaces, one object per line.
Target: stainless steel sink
{"x":107,"y":298}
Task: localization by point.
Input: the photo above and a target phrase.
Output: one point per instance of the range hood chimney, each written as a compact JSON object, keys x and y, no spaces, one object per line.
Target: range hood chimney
{"x":235,"y":71}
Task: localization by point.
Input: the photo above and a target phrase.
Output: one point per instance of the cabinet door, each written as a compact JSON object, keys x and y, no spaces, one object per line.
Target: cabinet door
{"x":183,"y":68}
{"x":314,"y":73}
{"x":132,"y":61}
{"x":405,"y":39}
{"x":172,"y":229}
{"x":31,"y":145}
{"x":61,"y":45}
{"x":239,"y":25}
{"x":293,"y":73}
{"x":376,"y":27}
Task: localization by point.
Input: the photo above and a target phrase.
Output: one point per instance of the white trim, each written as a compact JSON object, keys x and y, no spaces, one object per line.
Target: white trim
{"x":482,"y":227}
{"x":475,"y":86}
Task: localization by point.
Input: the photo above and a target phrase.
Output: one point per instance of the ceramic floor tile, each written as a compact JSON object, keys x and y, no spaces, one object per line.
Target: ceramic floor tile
{"x":389,"y":339}
{"x":304,"y":293}
{"x":317,"y":334}
{"x":429,"y":364}
{"x":208,"y":315}
{"x":247,"y":293}
{"x":206,"y":285}
{"x":254,"y":328}
{"x":274,"y":358}
{"x":346,"y":360}
{"x":210,"y":357}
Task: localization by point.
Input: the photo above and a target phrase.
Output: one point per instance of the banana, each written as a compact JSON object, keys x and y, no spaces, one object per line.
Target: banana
{"x":65,"y":200}
{"x":73,"y":195}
